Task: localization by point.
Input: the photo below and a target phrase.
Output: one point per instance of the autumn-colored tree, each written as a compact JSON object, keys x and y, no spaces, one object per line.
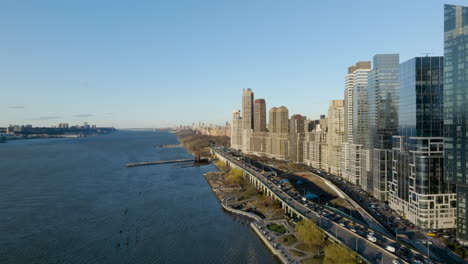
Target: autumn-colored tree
{"x":308,"y":232}
{"x":234,"y":175}
{"x":338,"y":254}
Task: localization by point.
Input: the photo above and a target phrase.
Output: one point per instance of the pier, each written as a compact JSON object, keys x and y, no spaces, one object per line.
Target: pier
{"x":147,"y":163}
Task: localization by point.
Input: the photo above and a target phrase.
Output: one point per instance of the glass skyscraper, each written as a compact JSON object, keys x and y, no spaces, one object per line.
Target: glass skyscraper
{"x":418,"y":189}
{"x":382,"y":100}
{"x":456,"y":109}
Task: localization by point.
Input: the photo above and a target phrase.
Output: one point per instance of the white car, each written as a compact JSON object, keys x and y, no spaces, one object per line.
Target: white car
{"x":390,"y":248}
{"x":397,"y":261}
{"x":353,"y":230}
{"x":371,"y":238}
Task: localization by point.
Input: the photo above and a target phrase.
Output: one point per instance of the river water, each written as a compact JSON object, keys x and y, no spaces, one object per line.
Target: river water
{"x":74,"y":201}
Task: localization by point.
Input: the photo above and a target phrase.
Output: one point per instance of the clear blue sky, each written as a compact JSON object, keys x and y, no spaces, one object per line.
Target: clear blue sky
{"x":164,"y":63}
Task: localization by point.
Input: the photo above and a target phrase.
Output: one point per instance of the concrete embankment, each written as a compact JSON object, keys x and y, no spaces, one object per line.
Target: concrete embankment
{"x":268,"y":244}
{"x":252,"y":216}
{"x":228,"y":208}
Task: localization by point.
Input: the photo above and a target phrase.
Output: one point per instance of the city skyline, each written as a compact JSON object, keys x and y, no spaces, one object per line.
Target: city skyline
{"x":411,"y":148}
{"x":64,"y":64}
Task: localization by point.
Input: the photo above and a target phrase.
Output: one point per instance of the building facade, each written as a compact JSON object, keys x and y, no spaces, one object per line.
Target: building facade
{"x":278,"y":126}
{"x":456,"y":110}
{"x":236,"y":130}
{"x":259,"y":136}
{"x":355,"y":118}
{"x":259,"y":116}
{"x":418,"y":189}
{"x":247,"y":118}
{"x":315,"y":145}
{"x":335,"y":136}
{"x":296,"y":134}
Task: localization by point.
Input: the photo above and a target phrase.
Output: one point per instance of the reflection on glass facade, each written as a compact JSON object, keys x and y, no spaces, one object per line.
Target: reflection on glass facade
{"x":382,"y":99}
{"x":359,"y":113}
{"x":418,"y":189}
{"x":456,"y":109}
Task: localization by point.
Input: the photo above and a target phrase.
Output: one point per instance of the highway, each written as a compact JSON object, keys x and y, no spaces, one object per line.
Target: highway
{"x":352,"y":235}
{"x":438,"y":250}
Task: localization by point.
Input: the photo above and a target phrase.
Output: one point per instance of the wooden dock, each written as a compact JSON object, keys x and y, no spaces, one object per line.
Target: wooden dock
{"x":147,"y":163}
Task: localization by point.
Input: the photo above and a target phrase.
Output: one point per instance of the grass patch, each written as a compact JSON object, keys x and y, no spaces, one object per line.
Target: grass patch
{"x":313,"y":261}
{"x":314,"y":249}
{"x":288,"y":240}
{"x":278,"y":228}
{"x":296,"y":253}
{"x":249,"y":192}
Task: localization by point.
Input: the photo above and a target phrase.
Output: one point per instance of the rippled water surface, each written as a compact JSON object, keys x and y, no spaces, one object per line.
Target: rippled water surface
{"x":74,"y":201}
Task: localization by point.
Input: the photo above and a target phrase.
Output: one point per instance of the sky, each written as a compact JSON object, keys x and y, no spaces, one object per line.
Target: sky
{"x":146,"y":64}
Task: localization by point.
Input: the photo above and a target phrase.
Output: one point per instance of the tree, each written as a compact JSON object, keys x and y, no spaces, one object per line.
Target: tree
{"x":308,"y":232}
{"x":221,"y":165}
{"x":234,"y":175}
{"x":338,"y":254}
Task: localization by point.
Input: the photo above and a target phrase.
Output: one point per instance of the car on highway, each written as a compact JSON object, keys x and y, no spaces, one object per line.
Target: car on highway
{"x":371,"y":238}
{"x":404,"y":253}
{"x":397,"y":261}
{"x":390,"y":248}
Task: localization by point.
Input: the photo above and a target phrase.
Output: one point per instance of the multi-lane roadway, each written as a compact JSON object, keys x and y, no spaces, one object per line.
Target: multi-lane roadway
{"x":353,"y":235}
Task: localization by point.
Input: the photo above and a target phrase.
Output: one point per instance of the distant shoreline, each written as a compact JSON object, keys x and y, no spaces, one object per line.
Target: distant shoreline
{"x":27,"y":137}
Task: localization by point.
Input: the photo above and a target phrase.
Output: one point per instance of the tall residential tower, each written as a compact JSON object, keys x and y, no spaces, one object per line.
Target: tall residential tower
{"x":418,"y":189}
{"x":382,"y":100}
{"x":456,"y":110}
{"x":247,"y":118}
{"x":355,"y":120}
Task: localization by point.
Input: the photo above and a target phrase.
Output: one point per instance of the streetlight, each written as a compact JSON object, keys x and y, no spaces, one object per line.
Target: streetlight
{"x":356,"y":245}
{"x":428,"y":248}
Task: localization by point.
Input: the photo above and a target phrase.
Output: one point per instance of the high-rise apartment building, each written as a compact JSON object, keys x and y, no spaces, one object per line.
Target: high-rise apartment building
{"x":259,"y":136}
{"x":236,"y":130}
{"x":247,"y":118}
{"x":456,"y":110}
{"x":355,"y":118}
{"x":297,"y":131}
{"x":315,"y":145}
{"x":335,"y":135}
{"x":418,"y":190}
{"x":248,"y":108}
{"x":259,"y":116}
{"x":382,"y":100}
{"x":278,"y":127}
